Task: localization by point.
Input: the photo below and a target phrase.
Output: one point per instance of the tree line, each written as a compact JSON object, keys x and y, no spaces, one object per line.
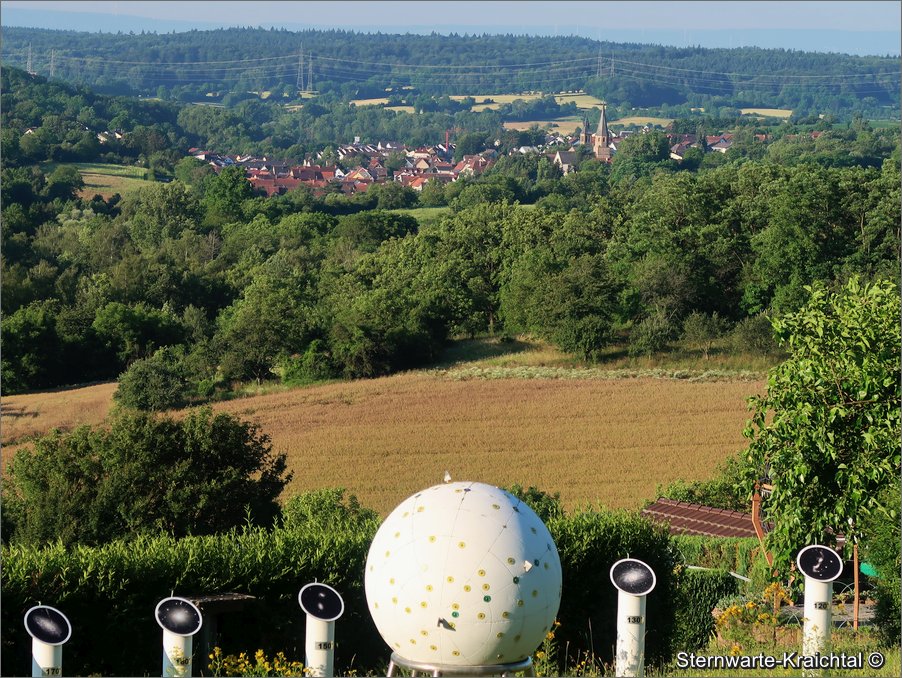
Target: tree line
{"x":199,"y":285}
{"x":360,"y":65}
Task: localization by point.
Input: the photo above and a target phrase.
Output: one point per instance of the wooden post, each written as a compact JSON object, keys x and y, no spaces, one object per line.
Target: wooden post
{"x":759,"y":528}
{"x":855,"y":575}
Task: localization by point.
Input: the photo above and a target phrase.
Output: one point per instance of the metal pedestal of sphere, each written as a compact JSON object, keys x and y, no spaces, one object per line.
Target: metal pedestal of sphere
{"x":429,"y":669}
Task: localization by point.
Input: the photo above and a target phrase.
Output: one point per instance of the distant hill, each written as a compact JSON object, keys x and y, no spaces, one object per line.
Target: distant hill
{"x":358,"y":65}
{"x":855,"y":42}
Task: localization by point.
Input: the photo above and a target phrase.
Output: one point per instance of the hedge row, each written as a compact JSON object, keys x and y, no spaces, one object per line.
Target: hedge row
{"x":110,"y":592}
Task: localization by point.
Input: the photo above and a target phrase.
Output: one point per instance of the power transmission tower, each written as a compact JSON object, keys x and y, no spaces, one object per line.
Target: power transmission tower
{"x":300,"y":82}
{"x":612,"y":65}
{"x":52,"y":62}
{"x":598,"y":68}
{"x":310,"y":73}
{"x":29,"y":65}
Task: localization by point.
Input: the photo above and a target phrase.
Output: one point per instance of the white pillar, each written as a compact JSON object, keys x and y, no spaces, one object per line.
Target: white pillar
{"x":46,"y":659}
{"x":319,"y":646}
{"x":176,"y":655}
{"x":818,"y":617}
{"x":630,"y":657}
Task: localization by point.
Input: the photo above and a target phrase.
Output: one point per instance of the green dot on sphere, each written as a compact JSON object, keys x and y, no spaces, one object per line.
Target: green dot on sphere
{"x":516,"y":580}
{"x":487,"y":599}
{"x":455,"y":614}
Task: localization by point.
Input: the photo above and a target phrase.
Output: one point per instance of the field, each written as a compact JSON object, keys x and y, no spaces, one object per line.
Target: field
{"x":106,"y":179}
{"x":595,"y":436}
{"x":767,"y":112}
{"x":370,"y":102}
{"x":641,"y":120}
{"x":562,"y":125}
{"x":499,"y":98}
{"x":582,"y":100}
{"x":424,"y":215}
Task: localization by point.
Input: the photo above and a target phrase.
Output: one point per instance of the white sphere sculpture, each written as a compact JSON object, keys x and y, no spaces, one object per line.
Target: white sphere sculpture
{"x":463,"y":574}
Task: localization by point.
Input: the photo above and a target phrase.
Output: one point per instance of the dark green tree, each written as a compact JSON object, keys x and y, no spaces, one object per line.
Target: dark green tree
{"x":143,"y":473}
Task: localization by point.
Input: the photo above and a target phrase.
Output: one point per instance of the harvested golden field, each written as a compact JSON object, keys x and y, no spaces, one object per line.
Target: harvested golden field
{"x":25,"y":416}
{"x":581,"y":99}
{"x":562,"y":125}
{"x":767,"y":112}
{"x":592,"y":438}
{"x":370,"y":102}
{"x":642,"y":120}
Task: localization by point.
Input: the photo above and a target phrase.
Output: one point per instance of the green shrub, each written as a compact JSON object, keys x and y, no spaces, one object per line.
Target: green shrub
{"x":547,"y":506}
{"x":198,"y":475}
{"x":328,"y":508}
{"x":651,"y":335}
{"x":754,"y":334}
{"x":155,"y":383}
{"x":723,"y":491}
{"x":589,"y":543}
{"x":697,"y":593}
{"x":881,"y":549}
{"x":314,"y":365}
{"x":735,"y":554}
{"x":702,"y":330}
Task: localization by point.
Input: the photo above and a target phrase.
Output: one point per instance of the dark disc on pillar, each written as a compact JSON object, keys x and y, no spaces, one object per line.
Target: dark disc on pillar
{"x":48,"y":625}
{"x":178,"y":616}
{"x":819,"y":562}
{"x":632,"y":576}
{"x":321,"y":601}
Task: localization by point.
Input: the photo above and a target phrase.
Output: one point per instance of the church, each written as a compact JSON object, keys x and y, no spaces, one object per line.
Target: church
{"x":601,"y":140}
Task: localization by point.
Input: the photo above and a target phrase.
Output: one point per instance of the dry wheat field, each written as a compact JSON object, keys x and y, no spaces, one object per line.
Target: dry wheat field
{"x":596,"y":441}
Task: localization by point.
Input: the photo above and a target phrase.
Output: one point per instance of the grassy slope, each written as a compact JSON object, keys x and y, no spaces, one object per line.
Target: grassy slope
{"x":106,"y":179}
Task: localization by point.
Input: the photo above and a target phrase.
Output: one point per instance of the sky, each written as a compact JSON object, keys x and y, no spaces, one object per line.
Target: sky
{"x":861,"y":27}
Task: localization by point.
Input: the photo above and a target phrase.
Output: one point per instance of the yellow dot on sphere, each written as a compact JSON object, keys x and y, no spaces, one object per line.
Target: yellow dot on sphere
{"x":467,"y":588}
{"x":461,"y":545}
{"x":481,"y":573}
{"x":481,"y":615}
{"x":486,"y":587}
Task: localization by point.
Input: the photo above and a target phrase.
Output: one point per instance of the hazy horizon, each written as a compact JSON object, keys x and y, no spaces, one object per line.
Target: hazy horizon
{"x":859,"y":29}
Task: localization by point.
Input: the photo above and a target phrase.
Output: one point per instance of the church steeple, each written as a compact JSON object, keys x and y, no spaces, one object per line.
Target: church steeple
{"x":602,"y":130}
{"x":603,"y":138}
{"x":586,"y":135}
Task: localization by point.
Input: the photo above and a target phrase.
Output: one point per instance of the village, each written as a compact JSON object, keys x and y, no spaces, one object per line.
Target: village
{"x":353,"y":167}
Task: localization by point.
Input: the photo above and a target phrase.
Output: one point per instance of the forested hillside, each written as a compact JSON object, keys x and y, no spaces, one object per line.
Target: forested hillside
{"x":358,"y":65}
{"x":197,"y":284}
